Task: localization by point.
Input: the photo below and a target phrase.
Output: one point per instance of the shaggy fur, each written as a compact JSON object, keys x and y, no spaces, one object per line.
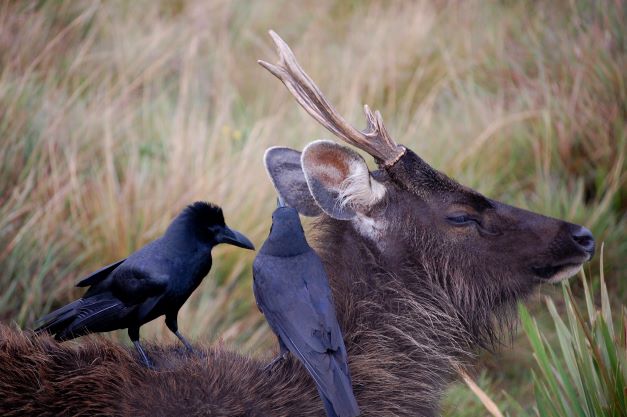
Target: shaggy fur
{"x":404,"y":332}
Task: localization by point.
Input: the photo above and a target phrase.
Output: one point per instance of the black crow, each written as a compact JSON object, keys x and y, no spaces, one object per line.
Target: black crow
{"x":154,"y":281}
{"x":292,"y":291}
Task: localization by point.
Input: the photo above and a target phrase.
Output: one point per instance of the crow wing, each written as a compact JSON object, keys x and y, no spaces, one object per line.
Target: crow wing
{"x":294,"y":295}
{"x":142,"y":278}
{"x":99,"y":275}
{"x":94,"y":314}
{"x":85,"y":315}
{"x":134,"y":288}
{"x":135,"y":284}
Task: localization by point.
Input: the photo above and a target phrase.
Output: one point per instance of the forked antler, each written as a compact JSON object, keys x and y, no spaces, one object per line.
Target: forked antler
{"x":375,"y":139}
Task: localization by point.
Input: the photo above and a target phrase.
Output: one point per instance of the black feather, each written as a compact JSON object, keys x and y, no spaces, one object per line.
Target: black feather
{"x":154,"y":281}
{"x":292,"y":290}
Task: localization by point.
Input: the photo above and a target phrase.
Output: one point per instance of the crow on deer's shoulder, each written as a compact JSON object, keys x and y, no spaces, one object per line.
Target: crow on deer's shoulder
{"x":292,"y":291}
{"x":154,"y":281}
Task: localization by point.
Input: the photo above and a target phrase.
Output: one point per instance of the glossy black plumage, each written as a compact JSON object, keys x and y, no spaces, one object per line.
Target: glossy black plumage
{"x":156,"y":280}
{"x":292,"y":291}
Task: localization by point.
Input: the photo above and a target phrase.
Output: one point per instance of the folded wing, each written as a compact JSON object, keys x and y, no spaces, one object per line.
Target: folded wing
{"x":298,"y":305}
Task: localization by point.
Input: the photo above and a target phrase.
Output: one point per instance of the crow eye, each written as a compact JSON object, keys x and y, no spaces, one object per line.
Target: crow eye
{"x":461,"y":219}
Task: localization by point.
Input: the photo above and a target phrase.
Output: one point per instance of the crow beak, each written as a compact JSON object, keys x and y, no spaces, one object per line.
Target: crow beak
{"x":235,"y":238}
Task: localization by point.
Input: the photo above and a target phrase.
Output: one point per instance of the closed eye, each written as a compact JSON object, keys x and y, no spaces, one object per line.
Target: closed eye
{"x":461,"y":220}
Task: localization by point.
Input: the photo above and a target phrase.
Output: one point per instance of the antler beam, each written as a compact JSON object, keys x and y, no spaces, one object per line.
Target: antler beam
{"x":375,"y":139}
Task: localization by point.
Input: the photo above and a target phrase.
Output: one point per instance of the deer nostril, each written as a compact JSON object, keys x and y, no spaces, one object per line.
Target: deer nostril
{"x":585,"y":239}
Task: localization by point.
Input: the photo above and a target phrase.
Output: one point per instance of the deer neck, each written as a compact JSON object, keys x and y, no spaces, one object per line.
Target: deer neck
{"x":400,"y":327}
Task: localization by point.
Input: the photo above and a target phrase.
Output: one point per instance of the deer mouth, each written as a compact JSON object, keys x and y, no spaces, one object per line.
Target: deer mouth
{"x":557,"y":273}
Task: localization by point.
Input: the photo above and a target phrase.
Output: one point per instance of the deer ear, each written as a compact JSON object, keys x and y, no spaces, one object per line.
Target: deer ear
{"x":339,"y":180}
{"x":286,"y":173}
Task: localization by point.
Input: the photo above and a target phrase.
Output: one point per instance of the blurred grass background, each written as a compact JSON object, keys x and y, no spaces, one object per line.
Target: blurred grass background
{"x":114,"y":115}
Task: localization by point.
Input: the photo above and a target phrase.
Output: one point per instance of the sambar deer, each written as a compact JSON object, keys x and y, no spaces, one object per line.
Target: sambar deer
{"x":424,"y":272}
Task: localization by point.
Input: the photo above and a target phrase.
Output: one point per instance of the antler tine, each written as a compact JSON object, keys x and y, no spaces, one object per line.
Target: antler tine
{"x":375,"y":140}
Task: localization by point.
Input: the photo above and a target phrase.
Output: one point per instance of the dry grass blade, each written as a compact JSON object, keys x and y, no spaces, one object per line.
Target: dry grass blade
{"x":490,"y":405}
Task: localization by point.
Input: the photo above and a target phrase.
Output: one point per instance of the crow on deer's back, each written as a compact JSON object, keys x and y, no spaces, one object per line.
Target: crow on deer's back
{"x":292,"y":291}
{"x":155,"y":280}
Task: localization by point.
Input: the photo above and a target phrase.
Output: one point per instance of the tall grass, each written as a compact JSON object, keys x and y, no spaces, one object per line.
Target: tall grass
{"x":586,"y":376}
{"x":115,"y":115}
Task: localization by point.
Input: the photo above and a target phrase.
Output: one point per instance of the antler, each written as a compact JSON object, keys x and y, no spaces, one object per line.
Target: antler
{"x":375,"y":139}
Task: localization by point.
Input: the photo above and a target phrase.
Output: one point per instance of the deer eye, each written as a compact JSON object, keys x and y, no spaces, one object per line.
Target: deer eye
{"x":461,"y":219}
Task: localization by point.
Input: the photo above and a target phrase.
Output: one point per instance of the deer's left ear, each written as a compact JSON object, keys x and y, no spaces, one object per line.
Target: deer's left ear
{"x":339,"y":180}
{"x":283,"y":166}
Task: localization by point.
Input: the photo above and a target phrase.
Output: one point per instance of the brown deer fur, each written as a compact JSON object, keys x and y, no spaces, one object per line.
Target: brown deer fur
{"x":404,"y":332}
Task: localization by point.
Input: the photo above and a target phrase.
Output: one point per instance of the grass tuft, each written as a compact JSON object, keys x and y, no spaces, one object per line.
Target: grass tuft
{"x":585,"y":375}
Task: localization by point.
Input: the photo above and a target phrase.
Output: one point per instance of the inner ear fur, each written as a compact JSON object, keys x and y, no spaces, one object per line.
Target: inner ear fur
{"x":339,"y":180}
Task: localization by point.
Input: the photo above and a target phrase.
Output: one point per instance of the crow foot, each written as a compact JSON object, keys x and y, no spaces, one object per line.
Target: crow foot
{"x":142,"y":355}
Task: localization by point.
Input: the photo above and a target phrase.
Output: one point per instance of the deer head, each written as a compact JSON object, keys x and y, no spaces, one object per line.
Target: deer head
{"x":406,"y":207}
